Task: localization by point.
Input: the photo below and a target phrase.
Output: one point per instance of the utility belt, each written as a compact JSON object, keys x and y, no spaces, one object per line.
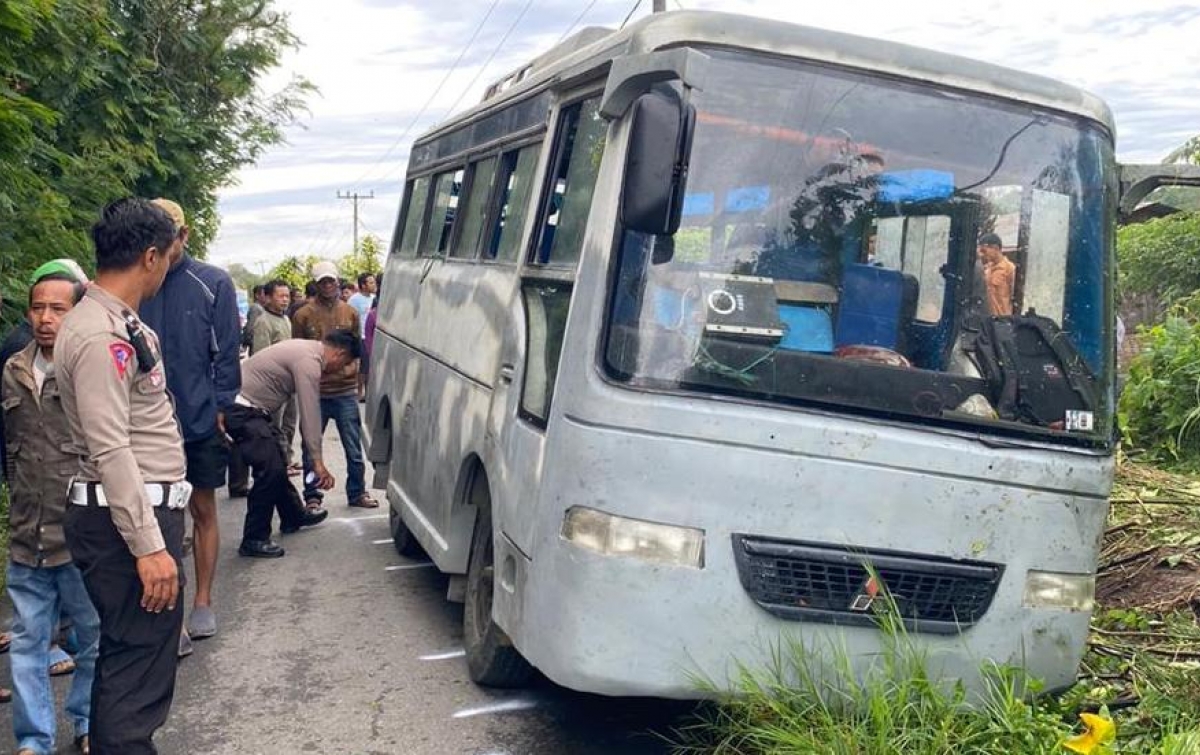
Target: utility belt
{"x":173,"y":495}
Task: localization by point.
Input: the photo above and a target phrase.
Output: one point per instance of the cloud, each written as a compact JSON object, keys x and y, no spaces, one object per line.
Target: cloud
{"x":383,"y":68}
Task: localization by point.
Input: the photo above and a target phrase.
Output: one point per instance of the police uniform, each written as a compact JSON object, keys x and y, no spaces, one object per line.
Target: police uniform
{"x":128,"y":501}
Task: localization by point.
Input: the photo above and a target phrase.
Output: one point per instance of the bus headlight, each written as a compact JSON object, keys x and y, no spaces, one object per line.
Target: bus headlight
{"x":1072,"y":592}
{"x":619,"y":536}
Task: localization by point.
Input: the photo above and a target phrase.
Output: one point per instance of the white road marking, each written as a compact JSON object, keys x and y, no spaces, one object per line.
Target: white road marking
{"x":365,"y":518}
{"x":385,"y":541}
{"x":507,"y":706}
{"x":444,"y":656}
{"x":400,"y":567}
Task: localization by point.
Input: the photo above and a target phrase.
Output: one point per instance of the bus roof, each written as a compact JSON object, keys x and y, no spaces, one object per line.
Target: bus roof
{"x":593,"y":48}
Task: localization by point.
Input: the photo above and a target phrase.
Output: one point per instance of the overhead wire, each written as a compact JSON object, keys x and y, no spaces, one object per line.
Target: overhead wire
{"x":433,"y":95}
{"x":495,"y":51}
{"x":578,"y":18}
{"x":632,"y":10}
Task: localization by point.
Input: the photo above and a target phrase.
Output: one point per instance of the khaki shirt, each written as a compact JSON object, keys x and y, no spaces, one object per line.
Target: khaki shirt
{"x":272,"y":376}
{"x":316,"y":320}
{"x":122,"y":422}
{"x":41,"y":463}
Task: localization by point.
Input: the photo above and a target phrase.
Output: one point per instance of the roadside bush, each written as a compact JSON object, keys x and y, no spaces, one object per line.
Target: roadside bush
{"x":1160,"y":406}
{"x":1160,"y":259}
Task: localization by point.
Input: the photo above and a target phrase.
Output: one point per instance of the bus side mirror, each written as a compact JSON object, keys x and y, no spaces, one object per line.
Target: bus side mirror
{"x":660,"y":140}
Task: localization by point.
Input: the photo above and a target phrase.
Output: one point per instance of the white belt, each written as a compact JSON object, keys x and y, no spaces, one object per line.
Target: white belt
{"x":241,"y":400}
{"x":174,"y":495}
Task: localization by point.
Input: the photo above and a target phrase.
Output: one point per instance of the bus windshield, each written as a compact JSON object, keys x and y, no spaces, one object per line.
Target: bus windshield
{"x":863,"y":244}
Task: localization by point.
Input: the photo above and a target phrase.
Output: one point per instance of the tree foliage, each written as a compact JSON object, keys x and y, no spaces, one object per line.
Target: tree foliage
{"x":298,"y":270}
{"x":364,"y":259}
{"x":105,"y":98}
{"x":1160,"y":259}
{"x":1160,"y":405}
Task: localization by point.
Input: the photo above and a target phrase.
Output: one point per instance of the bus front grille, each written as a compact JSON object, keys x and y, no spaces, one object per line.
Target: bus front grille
{"x":844,"y":585}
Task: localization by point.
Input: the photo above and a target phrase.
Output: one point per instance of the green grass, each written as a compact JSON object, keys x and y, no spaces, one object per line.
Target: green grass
{"x":811,"y":702}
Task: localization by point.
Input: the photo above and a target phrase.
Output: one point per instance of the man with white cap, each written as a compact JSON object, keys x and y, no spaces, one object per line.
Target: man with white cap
{"x":339,"y":390}
{"x":195,"y":315}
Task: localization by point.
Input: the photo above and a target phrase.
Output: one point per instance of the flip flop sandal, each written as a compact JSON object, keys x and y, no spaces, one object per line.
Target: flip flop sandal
{"x":62,"y":668}
{"x":5,"y":695}
{"x":313,"y":505}
{"x":365,"y":502}
{"x":5,"y":642}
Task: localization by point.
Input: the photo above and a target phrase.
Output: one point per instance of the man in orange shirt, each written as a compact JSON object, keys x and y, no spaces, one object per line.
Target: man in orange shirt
{"x":999,"y":275}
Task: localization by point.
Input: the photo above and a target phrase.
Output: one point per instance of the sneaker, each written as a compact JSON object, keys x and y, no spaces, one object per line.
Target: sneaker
{"x":185,"y":645}
{"x":202,"y":624}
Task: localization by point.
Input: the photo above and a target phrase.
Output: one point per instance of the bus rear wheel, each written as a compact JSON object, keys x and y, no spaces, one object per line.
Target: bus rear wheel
{"x":491,"y":658}
{"x":402,"y":537}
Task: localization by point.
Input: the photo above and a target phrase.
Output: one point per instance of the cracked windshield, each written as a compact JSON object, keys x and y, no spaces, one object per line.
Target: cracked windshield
{"x":856,"y":243}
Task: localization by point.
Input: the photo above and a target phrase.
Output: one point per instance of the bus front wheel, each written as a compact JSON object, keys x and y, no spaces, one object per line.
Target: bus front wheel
{"x":402,"y":537}
{"x":491,"y":658}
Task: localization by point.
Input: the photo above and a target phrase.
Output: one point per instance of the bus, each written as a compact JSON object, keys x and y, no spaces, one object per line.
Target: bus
{"x":710,"y":333}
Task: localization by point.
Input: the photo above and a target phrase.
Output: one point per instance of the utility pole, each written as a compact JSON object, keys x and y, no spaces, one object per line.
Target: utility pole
{"x":660,"y":6}
{"x":354,"y":196}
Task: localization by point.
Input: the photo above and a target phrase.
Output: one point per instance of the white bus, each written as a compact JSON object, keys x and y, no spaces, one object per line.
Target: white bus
{"x":687,"y":325}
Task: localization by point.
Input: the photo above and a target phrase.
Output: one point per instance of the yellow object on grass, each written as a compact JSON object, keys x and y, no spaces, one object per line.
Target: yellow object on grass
{"x":1099,"y":731}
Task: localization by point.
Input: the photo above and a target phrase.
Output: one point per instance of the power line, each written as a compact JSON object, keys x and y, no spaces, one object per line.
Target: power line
{"x":575,"y":23}
{"x":433,"y":95}
{"x":491,"y":57}
{"x":632,"y":10}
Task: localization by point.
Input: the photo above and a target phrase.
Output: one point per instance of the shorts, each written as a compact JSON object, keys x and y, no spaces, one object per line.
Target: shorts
{"x":207,"y":460}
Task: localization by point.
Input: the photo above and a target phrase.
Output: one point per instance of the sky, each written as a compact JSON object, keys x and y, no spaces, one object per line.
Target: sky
{"x":388,"y":70}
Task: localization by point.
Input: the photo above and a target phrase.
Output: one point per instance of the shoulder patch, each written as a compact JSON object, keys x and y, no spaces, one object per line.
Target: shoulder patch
{"x":122,"y":356}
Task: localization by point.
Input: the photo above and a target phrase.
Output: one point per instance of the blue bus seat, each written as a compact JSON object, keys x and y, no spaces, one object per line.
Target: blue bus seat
{"x":875,"y":308}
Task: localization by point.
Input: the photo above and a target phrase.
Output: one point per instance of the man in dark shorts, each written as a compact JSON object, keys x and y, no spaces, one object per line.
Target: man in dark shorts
{"x":195,"y":315}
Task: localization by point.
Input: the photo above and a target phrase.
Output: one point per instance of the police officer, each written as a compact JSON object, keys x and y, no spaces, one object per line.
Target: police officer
{"x":125,"y":527}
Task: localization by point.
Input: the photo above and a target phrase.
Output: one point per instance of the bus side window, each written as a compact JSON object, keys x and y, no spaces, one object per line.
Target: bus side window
{"x":578,"y":150}
{"x":546,"y":308}
{"x":418,"y":197}
{"x":475,"y":209}
{"x":445,"y":209}
{"x":515,"y":181}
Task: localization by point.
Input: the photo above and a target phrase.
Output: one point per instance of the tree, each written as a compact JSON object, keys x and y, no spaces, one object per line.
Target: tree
{"x":105,"y":98}
{"x":243,"y":278}
{"x":297,"y":271}
{"x":365,"y":259}
{"x":1160,"y":260}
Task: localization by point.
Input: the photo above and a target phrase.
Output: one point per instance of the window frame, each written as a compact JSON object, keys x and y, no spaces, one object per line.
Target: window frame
{"x":494,"y":210}
{"x":467,"y":193}
{"x":554,"y":159}
{"x":439,"y":254}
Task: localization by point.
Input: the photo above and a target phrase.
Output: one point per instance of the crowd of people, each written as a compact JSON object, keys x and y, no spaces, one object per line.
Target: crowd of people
{"x":127,"y":403}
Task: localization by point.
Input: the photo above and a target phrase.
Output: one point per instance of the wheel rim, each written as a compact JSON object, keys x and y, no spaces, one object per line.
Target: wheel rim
{"x":485,"y":589}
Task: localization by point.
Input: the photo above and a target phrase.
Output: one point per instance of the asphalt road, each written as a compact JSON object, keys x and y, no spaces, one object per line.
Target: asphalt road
{"x":342,"y":646}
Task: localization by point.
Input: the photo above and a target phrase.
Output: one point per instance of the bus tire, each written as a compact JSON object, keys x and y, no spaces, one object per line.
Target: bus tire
{"x":491,"y":658}
{"x":402,"y":537}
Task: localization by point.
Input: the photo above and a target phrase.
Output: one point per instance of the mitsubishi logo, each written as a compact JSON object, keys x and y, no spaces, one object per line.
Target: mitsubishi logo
{"x":867,"y":594}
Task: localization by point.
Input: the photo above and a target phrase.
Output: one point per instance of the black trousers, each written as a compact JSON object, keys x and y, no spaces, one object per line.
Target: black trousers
{"x":258,"y":442}
{"x":135,"y":672}
{"x":239,"y":473}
